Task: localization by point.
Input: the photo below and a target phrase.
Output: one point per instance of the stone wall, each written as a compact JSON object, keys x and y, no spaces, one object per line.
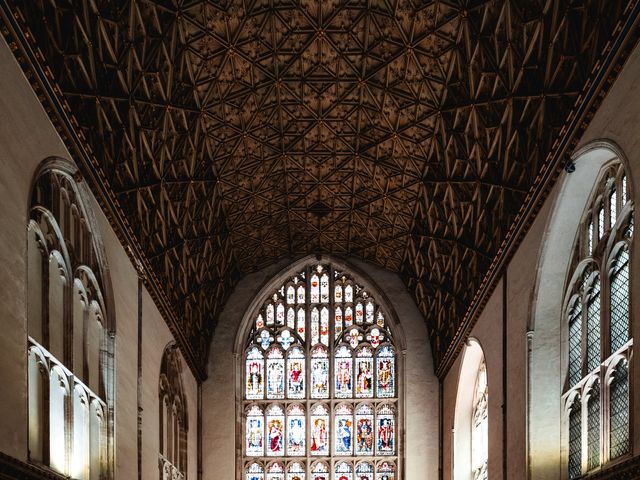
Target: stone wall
{"x":27,"y":137}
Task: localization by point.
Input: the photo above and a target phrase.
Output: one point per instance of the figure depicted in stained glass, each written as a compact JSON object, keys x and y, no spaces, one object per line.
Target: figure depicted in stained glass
{"x":364,"y":436}
{"x":319,"y":440}
{"x":386,"y":372}
{"x":320,"y":375}
{"x":343,"y":377}
{"x":275,"y":376}
{"x":343,"y":435}
{"x":364,"y":379}
{"x":275,"y":433}
{"x":385,"y":435}
{"x":255,"y":432}
{"x":296,"y":379}
{"x":277,"y":367}
{"x":296,"y":435}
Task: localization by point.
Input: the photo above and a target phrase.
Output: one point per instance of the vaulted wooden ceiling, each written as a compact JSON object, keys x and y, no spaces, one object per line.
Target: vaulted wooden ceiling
{"x":405,"y":132}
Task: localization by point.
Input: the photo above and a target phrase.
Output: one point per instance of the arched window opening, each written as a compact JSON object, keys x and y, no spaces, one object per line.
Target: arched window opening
{"x":480,"y":426}
{"x":67,"y":329}
{"x":596,"y":396}
{"x":320,"y":396}
{"x":173,"y":417}
{"x":471,"y":421}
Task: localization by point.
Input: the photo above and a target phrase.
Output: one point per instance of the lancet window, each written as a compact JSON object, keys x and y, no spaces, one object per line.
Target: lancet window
{"x":320,"y":393}
{"x":173,"y":417}
{"x":69,"y":342}
{"x":597,"y":315}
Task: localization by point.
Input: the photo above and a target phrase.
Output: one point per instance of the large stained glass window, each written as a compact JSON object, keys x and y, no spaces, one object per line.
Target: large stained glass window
{"x":599,"y":343}
{"x":320,"y":383}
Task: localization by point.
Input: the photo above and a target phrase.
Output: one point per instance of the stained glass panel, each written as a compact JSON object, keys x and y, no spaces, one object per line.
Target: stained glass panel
{"x":275,"y":374}
{"x":386,"y":374}
{"x":324,"y":326}
{"x":254,"y":472}
{"x":315,"y":289}
{"x":254,"y":387}
{"x":255,"y":432}
{"x":275,"y":431}
{"x":319,"y":373}
{"x":364,"y":471}
{"x":343,"y":420}
{"x":319,"y":431}
{"x":386,"y":430}
{"x":344,"y":471}
{"x":295,"y":471}
{"x":342,"y":359}
{"x":386,"y":471}
{"x":296,"y":373}
{"x":364,"y":430}
{"x":324,"y":288}
{"x":343,"y":372}
{"x":320,"y":471}
{"x":301,"y":323}
{"x":364,"y":373}
{"x":296,"y":431}
{"x":613,"y":212}
{"x":275,"y":471}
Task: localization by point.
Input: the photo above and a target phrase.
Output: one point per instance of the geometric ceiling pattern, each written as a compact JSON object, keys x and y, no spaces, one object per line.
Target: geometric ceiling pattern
{"x":403,"y":132}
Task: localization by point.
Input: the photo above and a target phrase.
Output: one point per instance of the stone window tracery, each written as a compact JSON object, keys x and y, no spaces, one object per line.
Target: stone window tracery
{"x":320,"y":385}
{"x":599,"y":344}
{"x":69,"y":341}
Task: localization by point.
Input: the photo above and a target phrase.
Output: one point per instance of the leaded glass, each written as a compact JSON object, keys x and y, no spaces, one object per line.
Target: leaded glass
{"x":255,"y":432}
{"x":319,"y":430}
{"x":593,"y":427}
{"x":344,"y":471}
{"x":386,"y":365}
{"x":593,"y":326}
{"x":319,"y":373}
{"x":364,"y":430}
{"x":254,"y":472}
{"x":275,"y":373}
{"x":347,"y":354}
{"x":324,"y":288}
{"x":275,"y":431}
{"x":575,"y":339}
{"x":386,"y":471}
{"x":364,"y":373}
{"x":315,"y":289}
{"x":386,"y":431}
{"x":613,"y":208}
{"x":320,"y":471}
{"x":364,"y":471}
{"x":480,"y":426}
{"x":607,"y":234}
{"x":295,"y":471}
{"x":275,"y":471}
{"x":296,"y":373}
{"x":620,"y":301}
{"x":343,"y":421}
{"x":619,"y":419}
{"x":296,"y":431}
{"x":254,"y":387}
{"x":343,"y":372}
{"x":575,"y":440}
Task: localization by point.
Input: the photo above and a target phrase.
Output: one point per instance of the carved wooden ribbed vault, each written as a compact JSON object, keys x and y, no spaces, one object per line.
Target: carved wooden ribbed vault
{"x":234,"y":133}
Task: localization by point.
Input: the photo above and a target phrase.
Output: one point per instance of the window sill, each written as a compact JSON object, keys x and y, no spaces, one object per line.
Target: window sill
{"x":626,"y":468}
